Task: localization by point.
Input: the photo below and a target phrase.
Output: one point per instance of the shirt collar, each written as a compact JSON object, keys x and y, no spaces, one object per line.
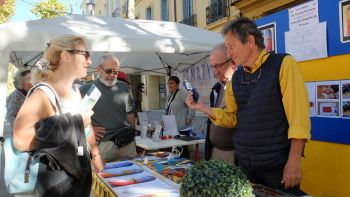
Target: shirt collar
{"x":259,"y":61}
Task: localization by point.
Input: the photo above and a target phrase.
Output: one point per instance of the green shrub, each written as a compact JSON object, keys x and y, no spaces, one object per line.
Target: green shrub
{"x":215,"y":178}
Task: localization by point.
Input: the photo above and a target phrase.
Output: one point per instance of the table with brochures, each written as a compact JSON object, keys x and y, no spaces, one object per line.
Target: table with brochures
{"x":148,"y":144}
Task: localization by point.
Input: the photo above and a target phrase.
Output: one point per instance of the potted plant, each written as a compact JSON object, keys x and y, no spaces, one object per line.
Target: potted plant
{"x":215,"y":178}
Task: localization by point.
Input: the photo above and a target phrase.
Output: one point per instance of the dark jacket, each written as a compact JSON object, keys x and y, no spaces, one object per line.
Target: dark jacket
{"x":208,"y":145}
{"x":61,"y":171}
{"x":261,"y":135}
{"x":58,"y":138}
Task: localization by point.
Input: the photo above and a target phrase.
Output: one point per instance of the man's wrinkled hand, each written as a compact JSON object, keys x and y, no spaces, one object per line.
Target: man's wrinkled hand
{"x":192,"y":104}
{"x":292,"y":173}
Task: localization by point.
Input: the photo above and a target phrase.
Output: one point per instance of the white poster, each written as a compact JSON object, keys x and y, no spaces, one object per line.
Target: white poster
{"x":269,"y":35}
{"x":328,"y":98}
{"x":303,"y":15}
{"x":307,"y":43}
{"x":345,"y":89}
{"x":311,"y":88}
{"x":345,"y":96}
{"x":170,"y":127}
{"x":328,"y":108}
{"x":201,"y":77}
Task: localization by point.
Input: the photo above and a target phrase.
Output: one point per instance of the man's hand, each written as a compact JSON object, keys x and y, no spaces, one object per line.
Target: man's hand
{"x":200,"y":106}
{"x":292,"y":169}
{"x":99,"y":132}
{"x":292,"y":173}
{"x":192,"y":104}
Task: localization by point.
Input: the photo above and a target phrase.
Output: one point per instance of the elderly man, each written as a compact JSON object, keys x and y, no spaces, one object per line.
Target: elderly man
{"x":15,"y":100}
{"x":219,"y":144}
{"x":267,"y":103}
{"x":113,"y":119}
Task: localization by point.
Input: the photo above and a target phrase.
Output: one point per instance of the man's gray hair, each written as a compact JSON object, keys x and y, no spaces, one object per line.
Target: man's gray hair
{"x":220,"y":47}
{"x":18,"y":79}
{"x":104,"y":58}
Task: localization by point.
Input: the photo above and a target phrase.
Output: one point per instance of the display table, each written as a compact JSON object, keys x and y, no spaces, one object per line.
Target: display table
{"x":147,"y":144}
{"x":137,"y":180}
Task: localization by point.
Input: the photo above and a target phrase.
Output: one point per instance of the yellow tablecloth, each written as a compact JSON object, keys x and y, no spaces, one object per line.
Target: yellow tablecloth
{"x":99,"y":188}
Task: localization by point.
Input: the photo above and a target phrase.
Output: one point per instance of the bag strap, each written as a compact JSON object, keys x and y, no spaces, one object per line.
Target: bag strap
{"x":27,"y":169}
{"x":30,"y":154}
{"x":169,"y":102}
{"x":56,"y":100}
{"x":2,"y":152}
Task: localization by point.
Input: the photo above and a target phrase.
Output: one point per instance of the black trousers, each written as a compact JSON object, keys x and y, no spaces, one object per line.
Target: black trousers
{"x":268,"y":176}
{"x":185,"y":152}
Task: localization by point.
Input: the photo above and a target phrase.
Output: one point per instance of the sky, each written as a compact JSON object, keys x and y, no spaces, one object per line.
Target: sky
{"x":23,"y":8}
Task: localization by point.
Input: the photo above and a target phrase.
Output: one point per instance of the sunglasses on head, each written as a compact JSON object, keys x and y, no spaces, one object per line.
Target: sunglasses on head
{"x":109,"y":71}
{"x":82,"y":52}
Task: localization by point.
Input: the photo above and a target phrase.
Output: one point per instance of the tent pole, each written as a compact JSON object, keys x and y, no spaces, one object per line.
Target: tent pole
{"x":166,"y":66}
{"x":36,"y":58}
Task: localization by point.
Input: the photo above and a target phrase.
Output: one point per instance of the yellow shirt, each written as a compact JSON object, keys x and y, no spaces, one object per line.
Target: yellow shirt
{"x":294,"y":97}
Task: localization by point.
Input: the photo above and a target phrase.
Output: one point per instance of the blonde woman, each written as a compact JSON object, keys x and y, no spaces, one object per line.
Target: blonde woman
{"x":50,"y":124}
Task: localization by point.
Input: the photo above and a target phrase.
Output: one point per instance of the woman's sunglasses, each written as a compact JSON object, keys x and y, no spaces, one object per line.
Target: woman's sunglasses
{"x":82,"y":52}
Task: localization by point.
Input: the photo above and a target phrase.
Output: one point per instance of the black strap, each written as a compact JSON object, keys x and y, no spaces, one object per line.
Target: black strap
{"x":35,"y":87}
{"x":27,"y":170}
{"x":169,"y":102}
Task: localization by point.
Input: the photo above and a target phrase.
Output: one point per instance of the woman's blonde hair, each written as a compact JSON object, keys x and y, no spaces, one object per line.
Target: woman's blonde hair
{"x":52,"y":55}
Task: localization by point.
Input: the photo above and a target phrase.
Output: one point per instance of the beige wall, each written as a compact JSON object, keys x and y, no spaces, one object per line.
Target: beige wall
{"x":142,"y":5}
{"x":99,"y":8}
{"x":151,"y":97}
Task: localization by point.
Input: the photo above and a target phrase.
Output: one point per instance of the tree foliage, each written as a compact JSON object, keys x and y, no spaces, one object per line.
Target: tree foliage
{"x":49,"y":9}
{"x":7,"y":10}
{"x":11,"y":73}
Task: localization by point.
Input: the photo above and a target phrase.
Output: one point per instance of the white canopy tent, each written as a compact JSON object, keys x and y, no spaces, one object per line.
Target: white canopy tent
{"x":143,"y":47}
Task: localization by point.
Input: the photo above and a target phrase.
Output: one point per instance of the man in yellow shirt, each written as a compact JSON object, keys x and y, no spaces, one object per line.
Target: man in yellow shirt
{"x":267,"y":103}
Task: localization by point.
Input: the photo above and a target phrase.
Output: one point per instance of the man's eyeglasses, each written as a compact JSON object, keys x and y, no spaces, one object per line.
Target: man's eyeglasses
{"x":82,"y":52}
{"x":219,"y":66}
{"x":109,"y":71}
{"x":252,"y":81}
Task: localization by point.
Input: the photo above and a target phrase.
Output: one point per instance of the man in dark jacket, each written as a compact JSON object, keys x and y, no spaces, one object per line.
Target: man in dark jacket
{"x":267,"y":104}
{"x":219,"y":144}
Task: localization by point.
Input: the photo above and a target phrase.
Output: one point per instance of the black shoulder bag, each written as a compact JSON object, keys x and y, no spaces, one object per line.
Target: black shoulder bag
{"x":123,"y":137}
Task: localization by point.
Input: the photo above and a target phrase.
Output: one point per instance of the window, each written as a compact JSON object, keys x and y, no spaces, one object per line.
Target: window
{"x":106,"y":10}
{"x":110,"y":7}
{"x":187,"y":8}
{"x":149,"y":13}
{"x":116,"y":11}
{"x":164,"y":10}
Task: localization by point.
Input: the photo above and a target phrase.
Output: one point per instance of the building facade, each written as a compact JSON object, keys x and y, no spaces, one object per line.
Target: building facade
{"x":207,"y":14}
